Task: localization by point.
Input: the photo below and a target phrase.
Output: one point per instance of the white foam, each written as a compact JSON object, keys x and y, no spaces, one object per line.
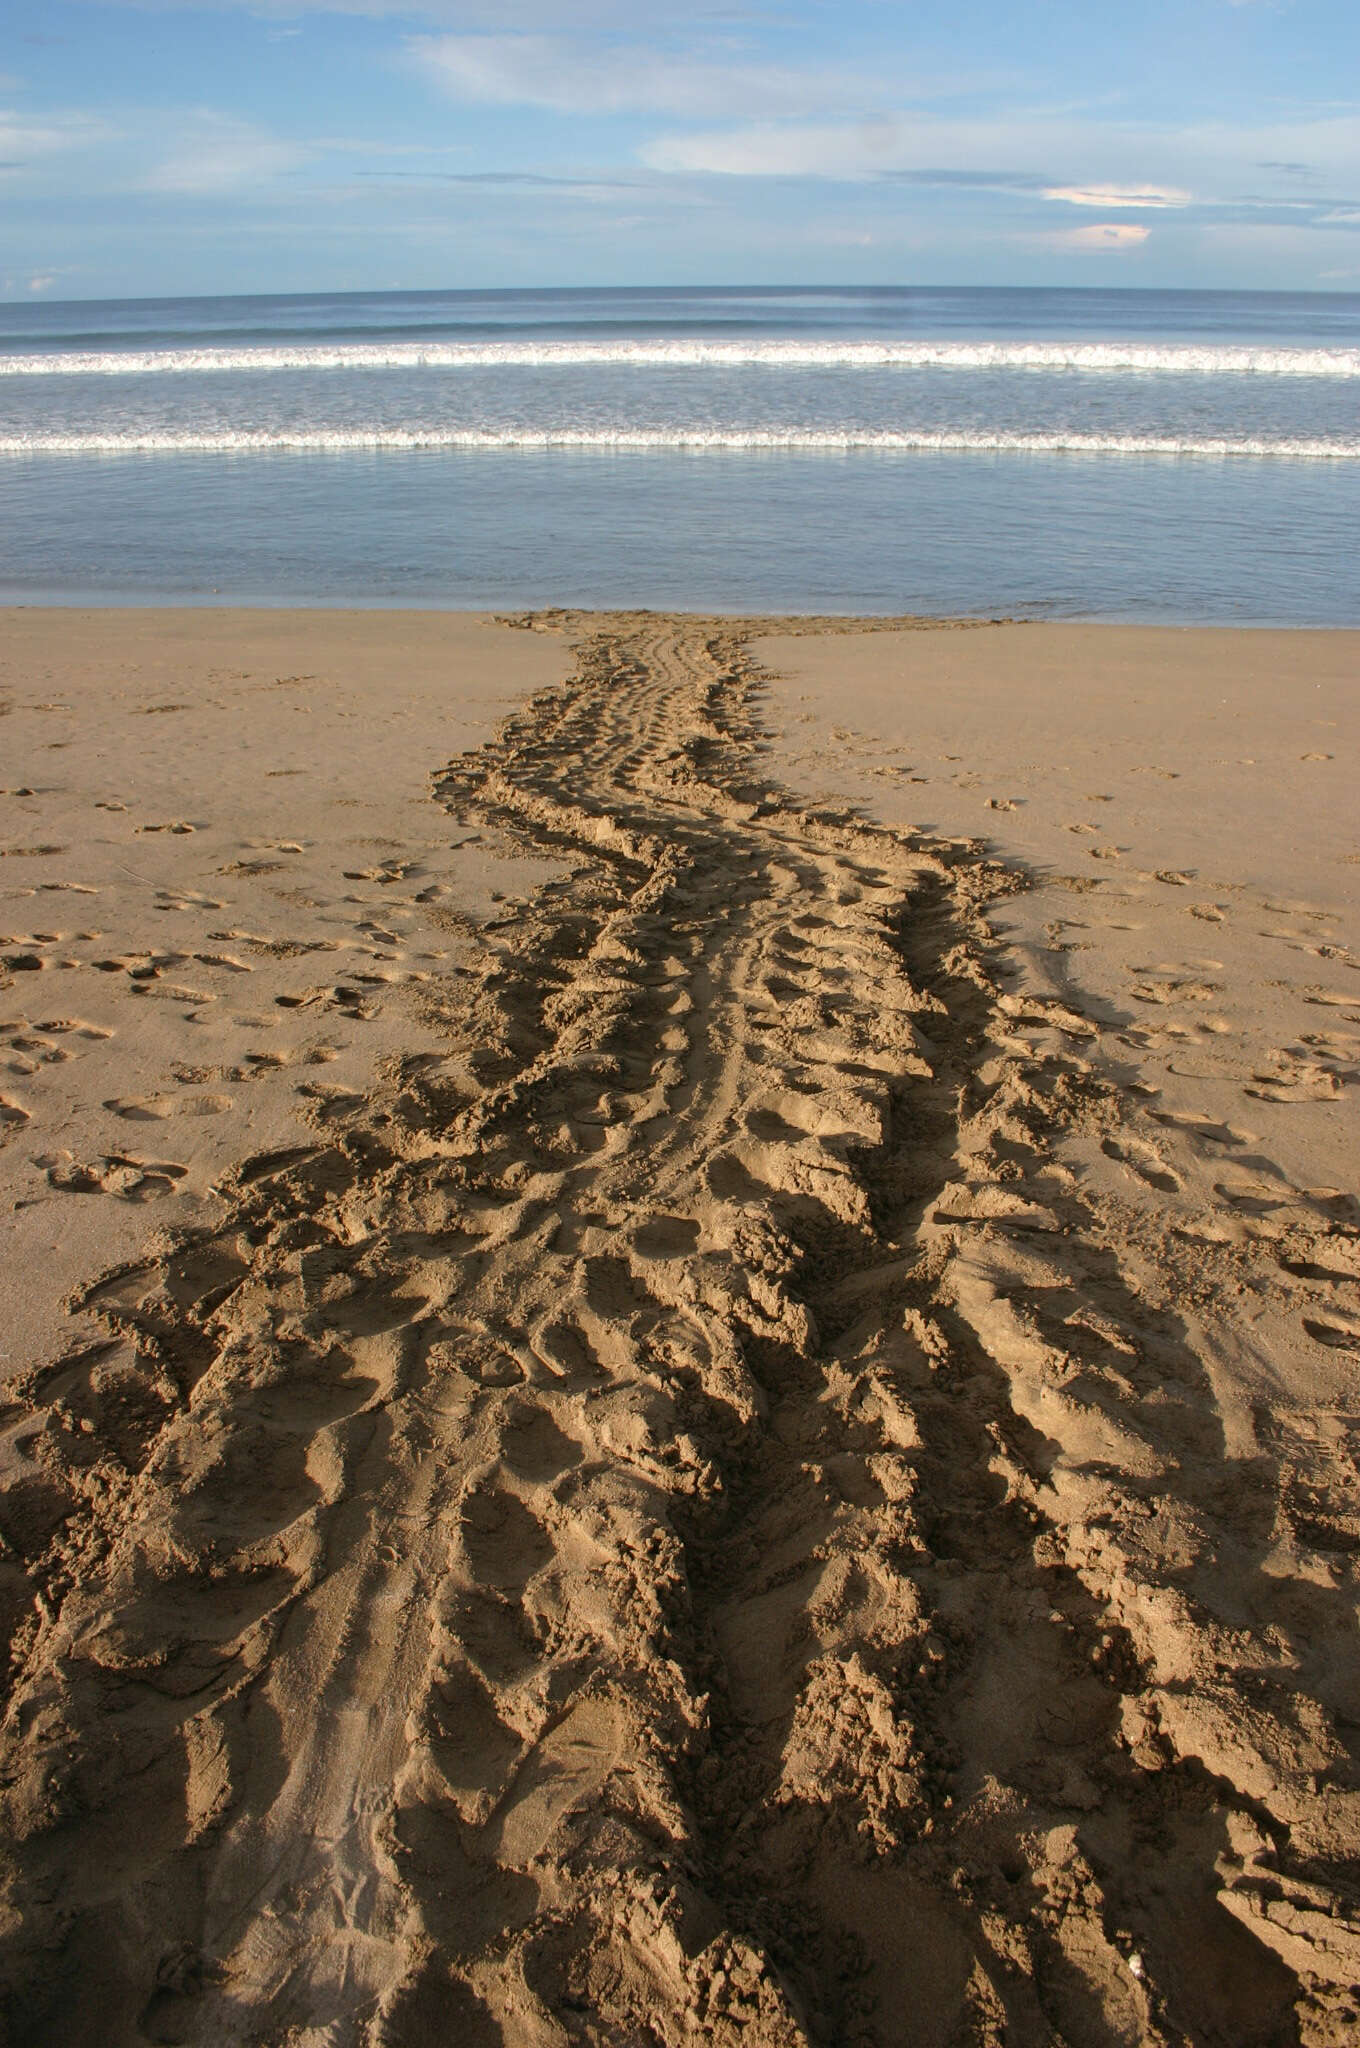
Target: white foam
{"x":1101,"y":358}
{"x":673,"y":440}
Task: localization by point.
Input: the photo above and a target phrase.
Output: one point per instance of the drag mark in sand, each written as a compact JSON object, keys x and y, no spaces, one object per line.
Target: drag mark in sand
{"x":689,"y":1518}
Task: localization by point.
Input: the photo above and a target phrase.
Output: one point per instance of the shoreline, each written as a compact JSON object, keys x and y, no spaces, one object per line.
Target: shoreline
{"x":740,"y":1407}
{"x":428,"y":608}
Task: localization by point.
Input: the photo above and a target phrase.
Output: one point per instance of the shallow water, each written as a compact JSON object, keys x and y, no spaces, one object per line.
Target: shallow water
{"x":1184,"y":456}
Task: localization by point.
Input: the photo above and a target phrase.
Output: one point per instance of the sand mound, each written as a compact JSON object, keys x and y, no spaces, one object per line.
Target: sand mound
{"x":689,"y":1516}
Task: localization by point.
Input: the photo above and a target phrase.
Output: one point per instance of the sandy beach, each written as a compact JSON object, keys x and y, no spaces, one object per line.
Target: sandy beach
{"x":680,"y":1322}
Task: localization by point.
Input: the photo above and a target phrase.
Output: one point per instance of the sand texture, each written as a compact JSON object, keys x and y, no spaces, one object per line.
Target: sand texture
{"x":778,"y":1465}
{"x":224,"y":894}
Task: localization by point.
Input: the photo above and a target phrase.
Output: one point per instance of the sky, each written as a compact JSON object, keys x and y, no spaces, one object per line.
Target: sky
{"x":160,"y":147}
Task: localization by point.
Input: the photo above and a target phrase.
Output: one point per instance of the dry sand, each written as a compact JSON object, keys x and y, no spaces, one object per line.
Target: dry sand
{"x":754,"y":1443}
{"x":224,"y":892}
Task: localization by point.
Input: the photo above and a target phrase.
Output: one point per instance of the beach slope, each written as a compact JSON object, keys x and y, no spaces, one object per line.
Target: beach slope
{"x":778,"y":1467}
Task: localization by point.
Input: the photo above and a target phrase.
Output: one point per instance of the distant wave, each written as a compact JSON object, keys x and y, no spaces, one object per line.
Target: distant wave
{"x":677,"y":439}
{"x":1099,"y":358}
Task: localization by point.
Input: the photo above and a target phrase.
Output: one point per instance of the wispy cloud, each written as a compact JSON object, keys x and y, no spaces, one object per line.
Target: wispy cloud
{"x":516,"y":181}
{"x":570,"y":75}
{"x":1106,"y":238}
{"x":1204,"y":172}
{"x":23,"y":137}
{"x":1135,"y":196}
{"x":215,"y":153}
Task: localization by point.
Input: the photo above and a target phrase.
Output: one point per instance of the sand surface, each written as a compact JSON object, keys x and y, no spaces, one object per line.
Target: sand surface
{"x":1187,"y":804}
{"x":753,"y":1443}
{"x":225,"y":897}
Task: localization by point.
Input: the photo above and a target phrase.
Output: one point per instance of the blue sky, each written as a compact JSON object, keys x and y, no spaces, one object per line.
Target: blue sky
{"x":159,"y":146}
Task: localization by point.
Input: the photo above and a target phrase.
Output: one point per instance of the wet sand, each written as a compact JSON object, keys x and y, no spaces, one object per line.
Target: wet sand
{"x":682,"y":1369}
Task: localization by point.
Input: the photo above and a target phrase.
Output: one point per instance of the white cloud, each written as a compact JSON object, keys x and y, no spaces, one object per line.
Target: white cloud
{"x":217,"y":154}
{"x":812,"y":149}
{"x":530,"y":185}
{"x":42,"y":283}
{"x":570,"y":76}
{"x":1118,"y":195}
{"x":1106,"y":165}
{"x":1104,"y":238}
{"x":22,"y":138}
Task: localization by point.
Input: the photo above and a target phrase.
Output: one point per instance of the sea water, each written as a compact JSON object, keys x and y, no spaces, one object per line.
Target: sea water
{"x":1183,"y":456}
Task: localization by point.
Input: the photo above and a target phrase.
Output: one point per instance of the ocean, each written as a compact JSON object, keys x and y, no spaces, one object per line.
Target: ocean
{"x":1188,"y":457}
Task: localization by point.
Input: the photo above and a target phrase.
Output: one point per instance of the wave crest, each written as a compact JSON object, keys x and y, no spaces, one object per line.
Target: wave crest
{"x":1098,"y":358}
{"x":668,"y":440}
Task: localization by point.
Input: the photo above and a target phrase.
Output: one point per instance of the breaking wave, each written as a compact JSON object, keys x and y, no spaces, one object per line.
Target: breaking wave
{"x":671,"y":439}
{"x":1100,"y":358}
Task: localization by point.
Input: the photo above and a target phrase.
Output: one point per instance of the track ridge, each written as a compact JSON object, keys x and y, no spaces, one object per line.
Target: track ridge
{"x":676,"y":1522}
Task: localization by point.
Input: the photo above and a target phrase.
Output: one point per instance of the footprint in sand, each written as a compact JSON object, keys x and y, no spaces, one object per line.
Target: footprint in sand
{"x":1333,"y":1045}
{"x":1297,"y":1078}
{"x":36,"y":1050}
{"x":257,"y":1064}
{"x":330,"y":1099}
{"x":173,"y":992}
{"x":1202,"y":1128}
{"x":154,"y":1108}
{"x":1337,"y":1335}
{"x":387,"y":871}
{"x":1169,"y":991}
{"x":563,"y":1347}
{"x":187,"y":899}
{"x":1262,"y":1200}
{"x":1144,"y":1160}
{"x":79,"y":1025}
{"x":226,"y":961}
{"x":503,"y":1542}
{"x":665,"y":1237}
{"x":115,"y":1173}
{"x":12,"y":1116}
